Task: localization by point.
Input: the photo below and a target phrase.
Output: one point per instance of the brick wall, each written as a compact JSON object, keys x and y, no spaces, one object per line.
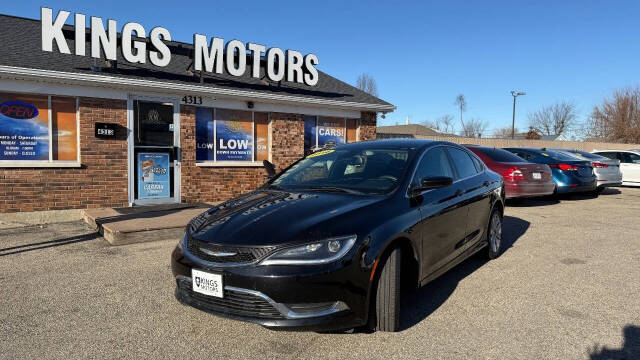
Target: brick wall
{"x":102,"y":180}
{"x":212,"y":184}
{"x":368,"y":122}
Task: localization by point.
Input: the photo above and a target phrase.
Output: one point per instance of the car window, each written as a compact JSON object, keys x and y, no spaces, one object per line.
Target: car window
{"x":500,"y":155}
{"x":463,"y":163}
{"x":364,"y":170}
{"x":610,"y":155}
{"x":434,"y":163}
{"x":584,"y":154}
{"x":630,"y":158}
{"x":522,"y":154}
{"x":479,"y":164}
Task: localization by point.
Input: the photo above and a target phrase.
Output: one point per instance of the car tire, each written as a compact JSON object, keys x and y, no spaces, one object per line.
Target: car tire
{"x":494,"y":235}
{"x":387,"y":304}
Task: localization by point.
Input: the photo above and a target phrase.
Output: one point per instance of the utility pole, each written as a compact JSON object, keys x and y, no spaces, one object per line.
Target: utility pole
{"x":515,"y":94}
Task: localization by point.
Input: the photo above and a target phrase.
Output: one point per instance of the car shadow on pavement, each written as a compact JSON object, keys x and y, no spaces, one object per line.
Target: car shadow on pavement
{"x":48,"y":244}
{"x":630,"y":348}
{"x":537,"y":201}
{"x":420,"y":303}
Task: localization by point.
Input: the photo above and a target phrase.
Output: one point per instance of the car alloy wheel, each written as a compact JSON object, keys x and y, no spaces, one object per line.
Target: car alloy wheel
{"x":495,"y":235}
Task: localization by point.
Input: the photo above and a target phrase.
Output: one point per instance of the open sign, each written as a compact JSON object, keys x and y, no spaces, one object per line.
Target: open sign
{"x":18,"y":110}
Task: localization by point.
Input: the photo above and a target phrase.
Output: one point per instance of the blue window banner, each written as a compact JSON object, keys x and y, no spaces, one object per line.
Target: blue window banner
{"x":234,"y":135}
{"x":205,"y":143}
{"x":153,"y":176}
{"x":330,"y":130}
{"x":24,"y":130}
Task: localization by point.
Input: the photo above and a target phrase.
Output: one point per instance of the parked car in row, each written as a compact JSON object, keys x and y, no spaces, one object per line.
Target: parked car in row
{"x":607,"y":170}
{"x":521,"y":178}
{"x":629,"y":164}
{"x":569,"y":174}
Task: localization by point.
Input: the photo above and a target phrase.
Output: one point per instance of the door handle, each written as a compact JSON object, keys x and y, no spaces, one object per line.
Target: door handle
{"x":459,"y":192}
{"x":485,"y":184}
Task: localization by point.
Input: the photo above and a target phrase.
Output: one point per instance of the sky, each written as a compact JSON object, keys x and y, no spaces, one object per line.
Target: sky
{"x":422,"y":54}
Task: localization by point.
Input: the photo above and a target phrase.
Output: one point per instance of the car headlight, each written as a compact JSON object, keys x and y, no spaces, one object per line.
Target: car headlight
{"x":321,"y":252}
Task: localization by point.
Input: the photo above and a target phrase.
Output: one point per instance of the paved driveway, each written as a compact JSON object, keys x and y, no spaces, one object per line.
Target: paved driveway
{"x":567,"y":288}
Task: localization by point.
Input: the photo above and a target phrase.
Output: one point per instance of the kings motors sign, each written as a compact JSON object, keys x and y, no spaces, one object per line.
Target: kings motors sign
{"x":213,"y":56}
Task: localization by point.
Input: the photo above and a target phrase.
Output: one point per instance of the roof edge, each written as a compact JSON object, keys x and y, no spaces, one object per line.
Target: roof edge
{"x":161,"y":86}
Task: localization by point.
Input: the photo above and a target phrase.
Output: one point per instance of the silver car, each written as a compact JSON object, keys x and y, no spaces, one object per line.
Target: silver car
{"x":607,"y":170}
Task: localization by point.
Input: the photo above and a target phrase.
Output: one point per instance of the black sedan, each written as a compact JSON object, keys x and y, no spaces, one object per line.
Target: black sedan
{"x":328,"y":243}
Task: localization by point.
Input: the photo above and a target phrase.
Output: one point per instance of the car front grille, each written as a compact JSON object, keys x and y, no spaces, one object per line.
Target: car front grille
{"x":226,"y":254}
{"x":233,"y":303}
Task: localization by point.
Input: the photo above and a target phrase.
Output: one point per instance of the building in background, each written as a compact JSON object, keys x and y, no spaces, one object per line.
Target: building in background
{"x":407,"y":131}
{"x":80,"y":132}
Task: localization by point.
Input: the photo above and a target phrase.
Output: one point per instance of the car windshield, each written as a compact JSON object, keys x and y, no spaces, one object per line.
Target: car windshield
{"x":500,"y":155}
{"x":347,"y":170}
{"x":558,"y":155}
{"x":584,"y":154}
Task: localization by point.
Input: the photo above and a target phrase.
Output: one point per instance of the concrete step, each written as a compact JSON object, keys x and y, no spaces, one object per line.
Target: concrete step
{"x":121,"y":226}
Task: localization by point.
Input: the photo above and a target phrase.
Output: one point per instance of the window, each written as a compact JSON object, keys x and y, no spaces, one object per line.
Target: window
{"x":366,"y":171}
{"x":463,"y":163}
{"x":630,"y":158}
{"x":231,"y":135}
{"x":434,"y":163}
{"x":320,"y":131}
{"x":500,"y":155}
{"x":610,"y":155}
{"x":38,"y":129}
{"x":522,"y":154}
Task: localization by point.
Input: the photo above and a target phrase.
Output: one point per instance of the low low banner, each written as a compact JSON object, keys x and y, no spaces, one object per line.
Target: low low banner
{"x":153,"y":176}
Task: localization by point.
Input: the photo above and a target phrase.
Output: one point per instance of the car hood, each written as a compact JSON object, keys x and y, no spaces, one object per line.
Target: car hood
{"x":268,"y":217}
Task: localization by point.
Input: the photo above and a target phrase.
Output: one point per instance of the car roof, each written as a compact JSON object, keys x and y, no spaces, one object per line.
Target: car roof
{"x":618,"y":150}
{"x":536,"y":150}
{"x":396,"y":144}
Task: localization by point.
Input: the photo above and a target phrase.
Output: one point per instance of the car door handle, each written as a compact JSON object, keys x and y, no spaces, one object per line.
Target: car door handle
{"x":485,"y":184}
{"x":459,"y":192}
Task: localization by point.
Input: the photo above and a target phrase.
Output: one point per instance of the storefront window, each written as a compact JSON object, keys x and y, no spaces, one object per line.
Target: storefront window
{"x":320,"y":131}
{"x":231,"y":135}
{"x":37,"y":128}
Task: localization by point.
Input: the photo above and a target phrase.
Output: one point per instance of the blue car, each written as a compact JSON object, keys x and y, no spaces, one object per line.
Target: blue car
{"x":570,"y":174}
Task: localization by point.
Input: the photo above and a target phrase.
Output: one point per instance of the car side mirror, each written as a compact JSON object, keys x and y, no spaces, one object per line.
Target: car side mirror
{"x":435,"y":182}
{"x":271,"y":169}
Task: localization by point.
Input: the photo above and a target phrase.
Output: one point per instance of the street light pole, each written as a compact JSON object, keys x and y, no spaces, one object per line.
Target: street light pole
{"x":515,"y":94}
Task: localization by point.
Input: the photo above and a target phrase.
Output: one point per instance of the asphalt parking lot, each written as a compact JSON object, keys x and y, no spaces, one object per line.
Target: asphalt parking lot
{"x":568,"y":287}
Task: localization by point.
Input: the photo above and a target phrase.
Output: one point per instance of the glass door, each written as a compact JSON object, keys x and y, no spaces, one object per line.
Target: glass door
{"x":155,"y":152}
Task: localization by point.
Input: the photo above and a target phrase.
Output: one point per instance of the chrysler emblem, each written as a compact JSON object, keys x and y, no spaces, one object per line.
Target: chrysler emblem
{"x":217,"y":253}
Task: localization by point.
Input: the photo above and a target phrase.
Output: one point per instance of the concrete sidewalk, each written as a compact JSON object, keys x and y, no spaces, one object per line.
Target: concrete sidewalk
{"x":121,"y":226}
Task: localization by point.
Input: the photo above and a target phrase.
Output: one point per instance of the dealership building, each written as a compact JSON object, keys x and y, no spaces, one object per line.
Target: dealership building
{"x":96,"y":114}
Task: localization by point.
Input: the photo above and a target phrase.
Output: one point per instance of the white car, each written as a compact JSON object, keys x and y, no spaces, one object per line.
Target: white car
{"x":629,"y":164}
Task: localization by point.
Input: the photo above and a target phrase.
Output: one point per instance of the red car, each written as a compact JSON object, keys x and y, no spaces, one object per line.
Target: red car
{"x":521,"y":178}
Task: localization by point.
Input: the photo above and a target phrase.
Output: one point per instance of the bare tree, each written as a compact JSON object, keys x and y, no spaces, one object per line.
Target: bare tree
{"x":474,"y":128}
{"x":554,"y":119}
{"x":618,"y":118}
{"x":461,"y":102}
{"x":504,"y":132}
{"x":443,"y":123}
{"x":447,"y":123}
{"x":367,"y":83}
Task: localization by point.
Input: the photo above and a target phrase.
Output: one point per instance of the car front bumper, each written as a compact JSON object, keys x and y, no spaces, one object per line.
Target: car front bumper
{"x":318,"y":298}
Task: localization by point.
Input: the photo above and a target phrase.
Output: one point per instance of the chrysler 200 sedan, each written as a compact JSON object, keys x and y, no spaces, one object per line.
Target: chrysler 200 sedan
{"x":329,"y":243}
